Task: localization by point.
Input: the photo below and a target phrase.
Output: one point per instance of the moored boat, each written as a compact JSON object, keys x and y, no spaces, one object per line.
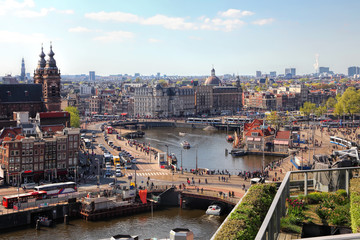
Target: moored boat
{"x":238,"y":152}
{"x":213,"y":210}
{"x":182,"y":134}
{"x":229,"y":138}
{"x":185,"y":144}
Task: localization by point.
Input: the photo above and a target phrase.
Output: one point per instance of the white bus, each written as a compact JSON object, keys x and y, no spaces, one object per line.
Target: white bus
{"x":55,"y":189}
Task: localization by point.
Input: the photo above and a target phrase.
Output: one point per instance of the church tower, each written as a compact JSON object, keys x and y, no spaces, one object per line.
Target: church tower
{"x":38,"y":73}
{"x":22,"y":76}
{"x":51,"y":83}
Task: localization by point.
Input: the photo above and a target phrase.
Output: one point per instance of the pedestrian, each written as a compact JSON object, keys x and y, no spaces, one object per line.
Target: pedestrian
{"x":219,"y":178}
{"x":205,"y":180}
{"x":199,"y":181}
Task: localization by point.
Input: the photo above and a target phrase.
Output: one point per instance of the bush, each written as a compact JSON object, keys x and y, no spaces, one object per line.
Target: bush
{"x":340,"y":216}
{"x":355,"y":204}
{"x":287,"y":225}
{"x":245,"y":221}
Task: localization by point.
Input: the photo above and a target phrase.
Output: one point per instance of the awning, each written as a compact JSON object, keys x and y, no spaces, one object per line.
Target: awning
{"x":257,"y":139}
{"x":93,"y":112}
{"x":281,"y":142}
{"x":106,"y":114}
{"x":123,"y":114}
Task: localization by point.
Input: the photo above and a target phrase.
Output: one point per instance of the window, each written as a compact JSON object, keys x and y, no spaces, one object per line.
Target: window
{"x":36,"y":167}
{"x":254,"y":134}
{"x":42,"y":151}
{"x":75,"y":144}
{"x":59,"y":156}
{"x":41,"y":158}
{"x":64,"y":156}
{"x":17,"y":159}
{"x":70,"y":161}
{"x":71,"y":138}
{"x":36,"y":152}
{"x":70,"y":154}
{"x":75,"y":138}
{"x":11,"y":160}
{"x":36,"y":159}
{"x":12,"y":153}
{"x":59,"y":147}
{"x":41,"y":167}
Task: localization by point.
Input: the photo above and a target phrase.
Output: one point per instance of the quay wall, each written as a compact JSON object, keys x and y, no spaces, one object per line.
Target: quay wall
{"x":27,"y":217}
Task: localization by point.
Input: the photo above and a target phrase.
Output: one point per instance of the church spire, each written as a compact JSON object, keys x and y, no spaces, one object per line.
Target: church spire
{"x":51,"y":63}
{"x":42,"y":62}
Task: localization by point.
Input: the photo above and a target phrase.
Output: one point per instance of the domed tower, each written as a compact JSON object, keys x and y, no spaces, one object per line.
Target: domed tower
{"x":213,"y":80}
{"x":38,"y":73}
{"x":51,"y":84}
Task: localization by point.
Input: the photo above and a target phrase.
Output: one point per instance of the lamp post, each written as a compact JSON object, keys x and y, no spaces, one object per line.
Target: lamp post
{"x":167,"y":153}
{"x":182,"y":170}
{"x":98,"y":178}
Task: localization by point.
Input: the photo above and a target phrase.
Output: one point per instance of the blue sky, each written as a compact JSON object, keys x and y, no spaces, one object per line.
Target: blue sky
{"x":184,"y":37}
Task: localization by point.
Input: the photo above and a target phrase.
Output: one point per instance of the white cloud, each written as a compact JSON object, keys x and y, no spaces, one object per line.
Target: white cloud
{"x":114,"y":16}
{"x":235,"y":13}
{"x":33,"y":14}
{"x":69,"y":11}
{"x":227,"y":21}
{"x":154,"y":40}
{"x":17,"y":37}
{"x":80,"y":29}
{"x":174,"y":23}
{"x":261,"y":22}
{"x":115,"y":36}
{"x":10,"y":5}
{"x":22,"y":9}
{"x":217,"y":24}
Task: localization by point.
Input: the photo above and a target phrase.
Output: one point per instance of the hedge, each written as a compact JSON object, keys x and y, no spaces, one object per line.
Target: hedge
{"x":246,"y":220}
{"x":355,"y":204}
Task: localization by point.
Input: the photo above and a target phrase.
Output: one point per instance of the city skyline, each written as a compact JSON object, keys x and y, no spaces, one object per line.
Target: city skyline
{"x":187,"y":38}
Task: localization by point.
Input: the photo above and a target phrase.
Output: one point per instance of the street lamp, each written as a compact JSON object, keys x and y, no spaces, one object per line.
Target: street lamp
{"x":167,"y":153}
{"x":98,"y":178}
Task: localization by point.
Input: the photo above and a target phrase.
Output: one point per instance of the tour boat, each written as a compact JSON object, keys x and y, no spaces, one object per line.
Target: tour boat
{"x":45,"y":221}
{"x":185,"y":144}
{"x":182,"y":134}
{"x":213,"y":210}
{"x":238,"y":152}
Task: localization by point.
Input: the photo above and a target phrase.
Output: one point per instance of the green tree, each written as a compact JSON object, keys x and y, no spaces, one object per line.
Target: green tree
{"x":330,"y":103}
{"x":275,"y":120}
{"x":348,"y":103}
{"x":308,"y":108}
{"x":74,"y":116}
{"x":321,"y":110}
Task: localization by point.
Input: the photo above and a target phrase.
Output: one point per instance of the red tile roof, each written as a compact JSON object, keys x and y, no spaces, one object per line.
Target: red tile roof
{"x":54,"y":114}
{"x":10,"y":132}
{"x":283,"y":135}
{"x":19,"y":137}
{"x":52,"y":128}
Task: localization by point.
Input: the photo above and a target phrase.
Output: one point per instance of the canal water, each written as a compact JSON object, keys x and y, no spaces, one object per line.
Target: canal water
{"x":210,"y":148}
{"x":144,"y":225}
{"x":209,"y":145}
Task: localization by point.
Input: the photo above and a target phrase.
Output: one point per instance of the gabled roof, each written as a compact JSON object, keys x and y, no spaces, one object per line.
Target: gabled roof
{"x":20,"y":93}
{"x":283,"y":135}
{"x":51,"y":128}
{"x":10,"y":132}
{"x":254,"y":124}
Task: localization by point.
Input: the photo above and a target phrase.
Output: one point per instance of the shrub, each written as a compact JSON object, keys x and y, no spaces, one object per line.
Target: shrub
{"x":340,"y":216}
{"x":287,"y":226}
{"x":355,"y":204}
{"x":245,"y":221}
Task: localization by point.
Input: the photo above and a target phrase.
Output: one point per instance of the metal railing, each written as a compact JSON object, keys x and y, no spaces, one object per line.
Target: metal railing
{"x":270,"y":227}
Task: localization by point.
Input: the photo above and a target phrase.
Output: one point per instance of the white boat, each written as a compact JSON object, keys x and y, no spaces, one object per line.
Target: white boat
{"x":213,"y":210}
{"x":182,"y":134}
{"x":45,"y":221}
{"x":185,"y":144}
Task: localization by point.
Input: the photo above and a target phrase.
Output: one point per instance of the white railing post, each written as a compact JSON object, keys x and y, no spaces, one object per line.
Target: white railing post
{"x":347,"y":181}
{"x":306,"y":184}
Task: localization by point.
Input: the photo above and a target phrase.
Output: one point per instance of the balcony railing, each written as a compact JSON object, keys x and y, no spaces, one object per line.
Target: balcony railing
{"x":299,"y":180}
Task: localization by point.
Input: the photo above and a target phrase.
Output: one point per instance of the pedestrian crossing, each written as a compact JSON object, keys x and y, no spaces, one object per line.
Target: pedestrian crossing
{"x":148,"y":174}
{"x":91,"y":177}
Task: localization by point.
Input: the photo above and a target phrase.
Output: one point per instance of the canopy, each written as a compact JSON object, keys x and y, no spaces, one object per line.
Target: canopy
{"x":123,"y":114}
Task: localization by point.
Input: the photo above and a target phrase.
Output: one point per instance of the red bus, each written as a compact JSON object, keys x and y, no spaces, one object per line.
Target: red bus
{"x":110,"y":130}
{"x":9,"y":201}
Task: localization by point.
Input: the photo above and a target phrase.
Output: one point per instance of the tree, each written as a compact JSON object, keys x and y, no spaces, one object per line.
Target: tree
{"x":330,"y":103}
{"x":348,"y":103}
{"x":274,"y":119}
{"x":74,"y":116}
{"x":321,"y":110}
{"x":308,"y":108}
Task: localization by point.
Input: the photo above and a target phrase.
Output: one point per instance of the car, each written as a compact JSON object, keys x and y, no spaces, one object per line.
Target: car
{"x":118,"y":173}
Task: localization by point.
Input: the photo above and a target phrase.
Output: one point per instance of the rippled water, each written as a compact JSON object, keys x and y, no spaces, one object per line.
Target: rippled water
{"x":143,"y":225}
{"x":209,"y":145}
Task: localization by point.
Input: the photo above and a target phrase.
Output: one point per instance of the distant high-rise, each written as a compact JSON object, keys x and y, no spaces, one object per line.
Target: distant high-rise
{"x":324,"y":70}
{"x":290,"y":71}
{"x":273,"y":74}
{"x":353,"y":71}
{"x":22,"y":76}
{"x":158,"y":75}
{"x":258,"y":74}
{"x":92,"y":75}
{"x":137,"y":75}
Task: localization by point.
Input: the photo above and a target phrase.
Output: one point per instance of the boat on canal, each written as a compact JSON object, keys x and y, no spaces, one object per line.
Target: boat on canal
{"x":229,"y":138}
{"x":182,"y":134}
{"x":213,"y":210}
{"x":238,"y":152}
{"x":185,"y":144}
